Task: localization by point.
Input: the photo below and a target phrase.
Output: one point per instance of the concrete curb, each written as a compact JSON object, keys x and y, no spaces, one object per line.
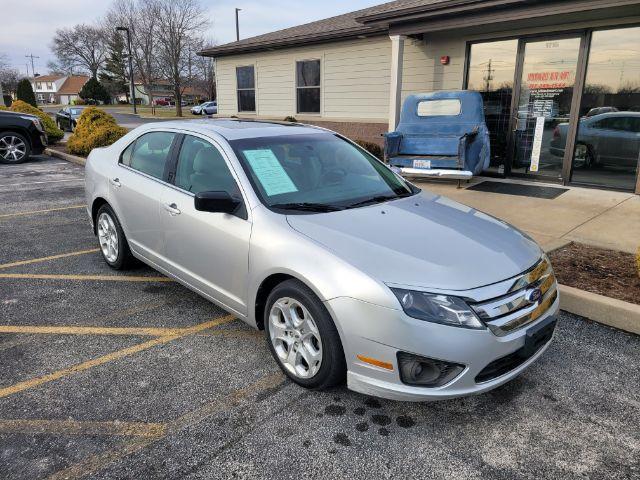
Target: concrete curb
{"x":555,"y":244}
{"x":601,"y":309}
{"x":65,"y":156}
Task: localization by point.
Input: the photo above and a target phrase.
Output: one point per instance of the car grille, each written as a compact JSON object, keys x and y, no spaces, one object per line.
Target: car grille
{"x":528,"y":298}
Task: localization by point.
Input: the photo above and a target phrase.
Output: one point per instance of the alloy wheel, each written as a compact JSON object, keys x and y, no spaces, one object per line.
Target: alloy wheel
{"x":108,"y":237}
{"x":295,"y":337}
{"x":12,"y":148}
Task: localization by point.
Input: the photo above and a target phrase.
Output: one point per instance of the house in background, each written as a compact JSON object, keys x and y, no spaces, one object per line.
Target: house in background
{"x":62,"y":89}
{"x":540,"y":66}
{"x":46,"y":87}
{"x":161,"y":93}
{"x":70,"y":90}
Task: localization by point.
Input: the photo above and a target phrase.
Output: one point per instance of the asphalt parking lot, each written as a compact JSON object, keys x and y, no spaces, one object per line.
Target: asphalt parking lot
{"x":121,"y":375}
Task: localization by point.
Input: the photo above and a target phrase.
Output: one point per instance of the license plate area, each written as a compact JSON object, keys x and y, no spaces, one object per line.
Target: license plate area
{"x":422,"y":164}
{"x":538,"y":336}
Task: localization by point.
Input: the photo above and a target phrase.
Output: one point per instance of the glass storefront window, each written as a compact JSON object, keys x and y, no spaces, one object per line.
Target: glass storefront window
{"x":608,"y":140}
{"x":546,"y":91}
{"x":491,"y":71}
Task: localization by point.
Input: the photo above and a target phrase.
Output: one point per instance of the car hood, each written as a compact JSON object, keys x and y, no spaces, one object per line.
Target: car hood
{"x":426,"y":241}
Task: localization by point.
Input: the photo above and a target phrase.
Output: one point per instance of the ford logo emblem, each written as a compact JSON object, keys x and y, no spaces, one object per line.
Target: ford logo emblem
{"x":533,"y":295}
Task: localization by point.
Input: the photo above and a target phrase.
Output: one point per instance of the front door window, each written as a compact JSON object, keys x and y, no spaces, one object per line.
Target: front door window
{"x":544,"y":105}
{"x":492,"y":67}
{"x":608,"y":141}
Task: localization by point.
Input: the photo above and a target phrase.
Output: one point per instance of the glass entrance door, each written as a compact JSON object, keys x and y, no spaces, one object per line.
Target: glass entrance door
{"x":547,"y":78}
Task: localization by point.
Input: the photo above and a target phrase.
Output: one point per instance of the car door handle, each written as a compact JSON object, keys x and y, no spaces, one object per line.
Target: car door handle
{"x":172,"y":208}
{"x":115,"y":182}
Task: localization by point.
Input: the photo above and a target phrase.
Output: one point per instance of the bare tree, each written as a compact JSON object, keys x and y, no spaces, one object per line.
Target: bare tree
{"x":200,"y":70}
{"x":179,"y":21}
{"x":82,"y":46}
{"x":9,"y":77}
{"x":141,"y":18}
{"x":59,"y":68}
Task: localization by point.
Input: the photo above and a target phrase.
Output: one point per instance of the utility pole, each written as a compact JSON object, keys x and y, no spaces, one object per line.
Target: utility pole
{"x":133,"y":88}
{"x":489,"y":77}
{"x":237,"y":25}
{"x":33,"y":69}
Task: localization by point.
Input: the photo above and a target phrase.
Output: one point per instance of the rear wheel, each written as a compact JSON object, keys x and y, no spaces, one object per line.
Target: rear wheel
{"x":302,"y":337}
{"x":14,"y":148}
{"x":113,"y":243}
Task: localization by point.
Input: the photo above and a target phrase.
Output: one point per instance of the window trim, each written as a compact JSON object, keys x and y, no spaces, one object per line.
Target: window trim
{"x":296,"y":87}
{"x":255,"y":93}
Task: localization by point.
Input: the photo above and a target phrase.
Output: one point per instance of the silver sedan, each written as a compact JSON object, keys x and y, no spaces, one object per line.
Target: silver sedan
{"x":353,"y":273}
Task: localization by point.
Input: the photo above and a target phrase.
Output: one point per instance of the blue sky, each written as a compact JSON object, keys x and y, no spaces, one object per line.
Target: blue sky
{"x":29,"y":25}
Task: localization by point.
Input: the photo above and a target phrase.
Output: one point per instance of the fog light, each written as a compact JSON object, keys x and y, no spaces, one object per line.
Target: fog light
{"x":426,"y":372}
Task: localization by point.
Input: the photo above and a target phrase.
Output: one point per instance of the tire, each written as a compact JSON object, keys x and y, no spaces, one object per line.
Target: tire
{"x":296,"y":341}
{"x":14,"y":148}
{"x":108,"y":230}
{"x":589,"y":157}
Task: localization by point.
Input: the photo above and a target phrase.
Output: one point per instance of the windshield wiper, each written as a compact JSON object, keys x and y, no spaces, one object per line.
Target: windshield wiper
{"x":379,"y":199}
{"x":309,"y":207}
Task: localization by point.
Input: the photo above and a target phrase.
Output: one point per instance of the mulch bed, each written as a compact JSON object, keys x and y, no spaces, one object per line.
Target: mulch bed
{"x":597,"y":270}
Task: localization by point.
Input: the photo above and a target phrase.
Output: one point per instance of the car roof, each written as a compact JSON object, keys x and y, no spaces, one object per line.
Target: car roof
{"x":602,"y":116}
{"x":235,"y":129}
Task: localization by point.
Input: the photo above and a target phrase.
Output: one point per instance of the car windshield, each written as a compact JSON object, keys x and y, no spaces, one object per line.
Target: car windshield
{"x":317,"y":172}
{"x":75,"y":111}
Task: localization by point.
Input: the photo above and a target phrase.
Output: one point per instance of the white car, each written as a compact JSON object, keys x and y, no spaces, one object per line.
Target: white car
{"x":206,"y":108}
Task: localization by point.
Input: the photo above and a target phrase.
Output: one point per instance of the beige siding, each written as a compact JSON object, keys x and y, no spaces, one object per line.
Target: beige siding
{"x":354,"y":80}
{"x":422,"y":71}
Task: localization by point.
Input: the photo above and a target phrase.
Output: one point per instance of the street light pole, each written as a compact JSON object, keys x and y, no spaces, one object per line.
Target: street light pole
{"x":133,"y":88}
{"x":237,"y":25}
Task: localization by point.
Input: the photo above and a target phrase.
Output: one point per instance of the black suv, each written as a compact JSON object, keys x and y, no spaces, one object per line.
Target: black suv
{"x":21,"y":135}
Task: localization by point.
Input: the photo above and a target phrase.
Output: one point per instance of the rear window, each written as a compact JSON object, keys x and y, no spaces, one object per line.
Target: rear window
{"x":433,"y":108}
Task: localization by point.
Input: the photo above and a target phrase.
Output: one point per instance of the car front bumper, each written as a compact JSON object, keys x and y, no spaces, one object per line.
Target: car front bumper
{"x":434,"y":173}
{"x":380,"y":333}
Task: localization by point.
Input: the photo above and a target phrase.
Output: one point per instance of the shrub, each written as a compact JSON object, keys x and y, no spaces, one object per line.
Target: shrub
{"x":94,"y":91}
{"x":2,"y":107}
{"x":95,"y":128}
{"x":24,"y":92}
{"x":79,"y":101}
{"x":53,"y":132}
{"x":289,"y":118}
{"x":373,"y":148}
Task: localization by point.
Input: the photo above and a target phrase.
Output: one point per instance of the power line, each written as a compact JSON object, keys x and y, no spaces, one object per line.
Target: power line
{"x":33,"y":69}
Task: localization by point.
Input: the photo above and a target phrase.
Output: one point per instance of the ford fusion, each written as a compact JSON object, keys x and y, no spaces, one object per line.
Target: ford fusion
{"x":353,"y":273}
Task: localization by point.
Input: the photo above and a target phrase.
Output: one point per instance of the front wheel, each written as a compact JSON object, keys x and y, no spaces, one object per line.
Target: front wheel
{"x":302,"y":337}
{"x":113,"y":243}
{"x":14,"y":148}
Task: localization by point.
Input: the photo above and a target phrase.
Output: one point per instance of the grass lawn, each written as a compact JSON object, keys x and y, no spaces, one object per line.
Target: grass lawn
{"x":146,"y":112}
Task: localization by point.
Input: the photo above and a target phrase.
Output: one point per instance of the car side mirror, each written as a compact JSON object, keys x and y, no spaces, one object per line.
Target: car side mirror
{"x":221,"y":202}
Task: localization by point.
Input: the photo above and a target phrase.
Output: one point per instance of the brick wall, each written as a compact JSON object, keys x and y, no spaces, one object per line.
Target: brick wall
{"x":371,"y":132}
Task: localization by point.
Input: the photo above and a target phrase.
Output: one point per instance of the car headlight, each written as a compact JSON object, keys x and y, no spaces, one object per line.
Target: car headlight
{"x":437,"y":308}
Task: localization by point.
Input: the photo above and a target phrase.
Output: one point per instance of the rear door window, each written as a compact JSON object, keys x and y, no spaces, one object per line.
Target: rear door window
{"x":149,"y":153}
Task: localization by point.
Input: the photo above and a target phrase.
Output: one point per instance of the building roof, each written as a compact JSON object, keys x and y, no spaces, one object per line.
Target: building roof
{"x":350,"y":24}
{"x":47,"y":78}
{"x":73,"y":84}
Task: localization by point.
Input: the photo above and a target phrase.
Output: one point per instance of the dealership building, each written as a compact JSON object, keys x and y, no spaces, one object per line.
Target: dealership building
{"x":560,"y":80}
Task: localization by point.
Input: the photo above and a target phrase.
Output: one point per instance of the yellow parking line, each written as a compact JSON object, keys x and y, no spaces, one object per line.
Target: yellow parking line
{"x":33,"y":212}
{"x":81,"y":367}
{"x":44,"y":259}
{"x":99,"y":461}
{"x":100,"y":278}
{"x":74,"y":427}
{"x":65,"y":330}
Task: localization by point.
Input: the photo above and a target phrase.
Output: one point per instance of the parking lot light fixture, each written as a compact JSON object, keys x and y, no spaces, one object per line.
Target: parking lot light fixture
{"x":133,"y":90}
